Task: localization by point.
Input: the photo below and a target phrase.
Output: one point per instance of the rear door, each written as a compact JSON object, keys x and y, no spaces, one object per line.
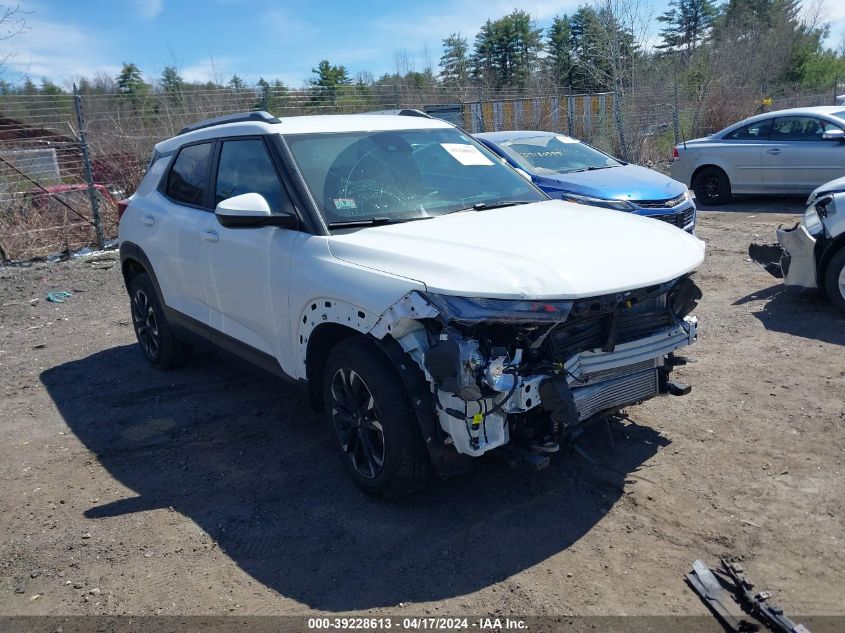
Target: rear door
{"x":797,"y":158}
{"x":169,"y":228}
{"x":246,"y":270}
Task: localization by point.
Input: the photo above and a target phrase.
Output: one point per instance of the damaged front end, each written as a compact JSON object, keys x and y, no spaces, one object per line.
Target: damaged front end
{"x":793,"y":258}
{"x":528,"y":373}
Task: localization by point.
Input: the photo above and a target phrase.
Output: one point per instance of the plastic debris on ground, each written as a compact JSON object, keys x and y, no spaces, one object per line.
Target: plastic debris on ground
{"x":59,"y":296}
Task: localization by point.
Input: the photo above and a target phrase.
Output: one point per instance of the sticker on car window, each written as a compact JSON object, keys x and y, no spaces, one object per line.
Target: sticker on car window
{"x":466,"y":154}
{"x":565,"y":139}
{"x":343,"y":204}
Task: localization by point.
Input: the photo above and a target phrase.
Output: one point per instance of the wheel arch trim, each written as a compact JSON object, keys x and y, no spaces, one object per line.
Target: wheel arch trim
{"x":697,"y":170}
{"x":132,"y":253}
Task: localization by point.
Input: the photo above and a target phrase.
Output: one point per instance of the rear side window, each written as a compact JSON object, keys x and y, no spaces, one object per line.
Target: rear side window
{"x":797,"y":128}
{"x":187,"y":180}
{"x":246,"y":167}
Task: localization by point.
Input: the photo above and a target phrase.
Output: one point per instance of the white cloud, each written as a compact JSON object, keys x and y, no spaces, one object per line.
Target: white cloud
{"x":58,"y":51}
{"x":149,"y":9}
{"x":218,"y":69}
{"x":282,"y":22}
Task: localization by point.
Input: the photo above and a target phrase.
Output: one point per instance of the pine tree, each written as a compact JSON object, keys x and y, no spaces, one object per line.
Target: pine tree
{"x":507,"y":50}
{"x":237,"y":84}
{"x":454,"y":63}
{"x":688,"y":24}
{"x":264,"y":100}
{"x":560,"y":60}
{"x":329,"y":79}
{"x":171,"y":80}
{"x":130,"y":80}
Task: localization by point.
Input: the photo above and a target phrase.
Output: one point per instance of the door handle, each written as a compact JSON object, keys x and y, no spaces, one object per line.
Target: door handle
{"x":210,"y":236}
{"x":774,"y":150}
{"x":148,"y":220}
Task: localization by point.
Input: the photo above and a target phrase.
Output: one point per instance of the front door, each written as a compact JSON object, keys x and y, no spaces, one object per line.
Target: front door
{"x":797,"y":158}
{"x":246,"y":270}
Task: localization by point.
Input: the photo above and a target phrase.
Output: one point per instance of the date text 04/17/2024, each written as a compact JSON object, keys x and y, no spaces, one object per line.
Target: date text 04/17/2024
{"x":418,"y":624}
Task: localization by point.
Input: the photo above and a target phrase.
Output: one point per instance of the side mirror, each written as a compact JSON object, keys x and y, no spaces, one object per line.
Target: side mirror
{"x":523,"y":173}
{"x":251,"y":210}
{"x":834,"y":135}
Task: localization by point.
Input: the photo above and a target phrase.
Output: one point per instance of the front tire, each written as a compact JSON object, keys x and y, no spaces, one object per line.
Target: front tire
{"x":712,"y":187}
{"x":160,"y":345}
{"x":371,"y":416}
{"x":834,"y":279}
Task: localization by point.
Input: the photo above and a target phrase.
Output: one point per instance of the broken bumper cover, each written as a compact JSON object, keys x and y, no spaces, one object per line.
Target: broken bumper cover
{"x":791,"y":259}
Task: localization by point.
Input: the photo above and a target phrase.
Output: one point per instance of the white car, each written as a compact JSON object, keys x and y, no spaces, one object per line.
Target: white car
{"x":431,"y":301}
{"x":784,"y":152}
{"x":812,"y":253}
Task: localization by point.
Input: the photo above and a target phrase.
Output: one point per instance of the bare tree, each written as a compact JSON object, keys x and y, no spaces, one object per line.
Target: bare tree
{"x":12,"y":24}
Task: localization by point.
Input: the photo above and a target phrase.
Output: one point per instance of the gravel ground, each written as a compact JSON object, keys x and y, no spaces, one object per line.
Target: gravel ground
{"x":212,"y":490}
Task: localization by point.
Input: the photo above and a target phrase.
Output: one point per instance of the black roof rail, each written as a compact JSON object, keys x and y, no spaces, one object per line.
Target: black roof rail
{"x":238,"y":117}
{"x":402,"y":112}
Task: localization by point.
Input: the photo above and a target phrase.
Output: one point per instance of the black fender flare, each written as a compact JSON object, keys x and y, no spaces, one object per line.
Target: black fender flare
{"x":129,"y":252}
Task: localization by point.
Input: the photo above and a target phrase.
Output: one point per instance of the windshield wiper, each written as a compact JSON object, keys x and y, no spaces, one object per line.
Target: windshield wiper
{"x":377,"y":221}
{"x":590,"y":168}
{"x":484,"y":206}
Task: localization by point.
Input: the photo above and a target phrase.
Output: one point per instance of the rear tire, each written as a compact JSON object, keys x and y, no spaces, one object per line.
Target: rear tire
{"x":834,"y":279}
{"x":371,"y":416}
{"x":160,"y":345}
{"x":712,"y":187}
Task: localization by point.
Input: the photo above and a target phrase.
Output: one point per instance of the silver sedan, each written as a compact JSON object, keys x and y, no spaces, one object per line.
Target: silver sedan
{"x":785,"y":152}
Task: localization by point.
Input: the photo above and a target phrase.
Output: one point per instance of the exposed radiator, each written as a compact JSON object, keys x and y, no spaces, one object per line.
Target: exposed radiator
{"x":615,"y":393}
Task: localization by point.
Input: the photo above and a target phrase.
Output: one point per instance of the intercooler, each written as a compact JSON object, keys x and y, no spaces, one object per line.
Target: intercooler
{"x":616,"y":392}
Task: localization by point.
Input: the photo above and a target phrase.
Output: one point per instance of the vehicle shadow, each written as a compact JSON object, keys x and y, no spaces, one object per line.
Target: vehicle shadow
{"x":806,"y":314}
{"x":244,"y":458}
{"x":760,"y":204}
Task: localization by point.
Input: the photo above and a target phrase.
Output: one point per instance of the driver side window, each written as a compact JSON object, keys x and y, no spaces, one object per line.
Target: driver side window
{"x":246,"y":167}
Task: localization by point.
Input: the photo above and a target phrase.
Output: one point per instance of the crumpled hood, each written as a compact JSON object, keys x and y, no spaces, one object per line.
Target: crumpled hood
{"x":628,"y":182}
{"x":543,"y":250}
{"x":834,"y":186}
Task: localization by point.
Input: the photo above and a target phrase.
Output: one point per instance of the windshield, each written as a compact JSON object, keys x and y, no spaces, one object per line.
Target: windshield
{"x":401,"y":175}
{"x":555,"y":155}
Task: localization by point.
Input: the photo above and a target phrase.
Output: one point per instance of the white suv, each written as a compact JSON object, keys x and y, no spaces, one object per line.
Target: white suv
{"x":431,"y":301}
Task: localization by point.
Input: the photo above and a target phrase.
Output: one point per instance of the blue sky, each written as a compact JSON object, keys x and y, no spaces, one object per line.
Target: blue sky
{"x":215,"y":38}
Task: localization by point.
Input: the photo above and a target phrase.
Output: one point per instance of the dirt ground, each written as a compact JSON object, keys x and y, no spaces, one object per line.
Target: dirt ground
{"x":212,"y":490}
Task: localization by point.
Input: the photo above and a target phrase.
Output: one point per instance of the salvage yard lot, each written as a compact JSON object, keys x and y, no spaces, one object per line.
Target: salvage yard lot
{"x":211,"y":490}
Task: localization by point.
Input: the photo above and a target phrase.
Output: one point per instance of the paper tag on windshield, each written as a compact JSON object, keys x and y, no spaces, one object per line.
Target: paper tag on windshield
{"x":565,"y":139}
{"x":343,"y":204}
{"x":466,"y":154}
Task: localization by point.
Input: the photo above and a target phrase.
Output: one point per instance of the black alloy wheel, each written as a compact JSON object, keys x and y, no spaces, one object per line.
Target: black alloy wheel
{"x":144,"y":321}
{"x":356,"y":422}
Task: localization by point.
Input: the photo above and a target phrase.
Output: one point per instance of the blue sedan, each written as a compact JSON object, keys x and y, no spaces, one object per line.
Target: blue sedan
{"x":570,"y":170}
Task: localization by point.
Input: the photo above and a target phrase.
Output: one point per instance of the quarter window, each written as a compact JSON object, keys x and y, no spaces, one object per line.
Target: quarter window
{"x":187,"y":180}
{"x":246,"y":167}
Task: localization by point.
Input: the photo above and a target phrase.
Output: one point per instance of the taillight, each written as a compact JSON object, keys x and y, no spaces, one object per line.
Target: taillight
{"x":122,"y":205}
{"x":675,"y":155}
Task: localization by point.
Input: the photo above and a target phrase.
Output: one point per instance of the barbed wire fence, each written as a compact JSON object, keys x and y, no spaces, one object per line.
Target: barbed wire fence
{"x":66,"y":159}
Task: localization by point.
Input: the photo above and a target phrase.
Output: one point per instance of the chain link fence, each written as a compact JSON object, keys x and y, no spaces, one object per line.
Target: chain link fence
{"x":65,"y":160}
